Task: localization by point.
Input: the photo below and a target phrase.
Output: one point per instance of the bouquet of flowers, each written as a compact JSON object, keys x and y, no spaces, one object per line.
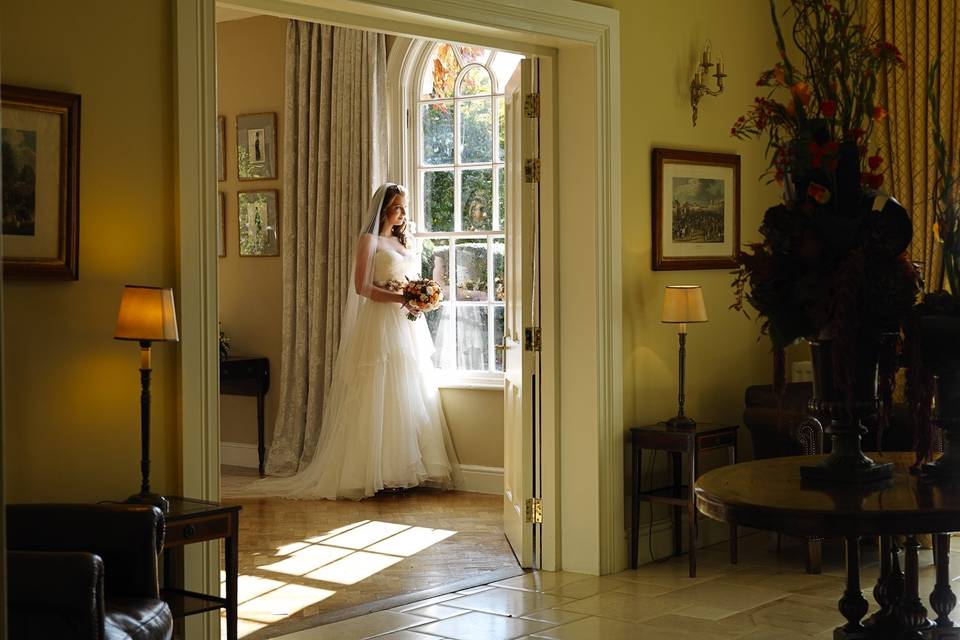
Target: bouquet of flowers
{"x":422,"y":296}
{"x":831,"y":262}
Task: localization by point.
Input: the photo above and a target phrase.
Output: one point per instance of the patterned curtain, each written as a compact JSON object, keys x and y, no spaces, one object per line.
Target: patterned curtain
{"x":334,"y":156}
{"x":922,"y":30}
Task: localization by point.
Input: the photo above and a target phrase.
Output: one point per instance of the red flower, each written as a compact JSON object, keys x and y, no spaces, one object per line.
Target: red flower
{"x":874,"y":162}
{"x":818,"y":192}
{"x":828,"y":108}
{"x":802,"y":92}
{"x":879,"y":113}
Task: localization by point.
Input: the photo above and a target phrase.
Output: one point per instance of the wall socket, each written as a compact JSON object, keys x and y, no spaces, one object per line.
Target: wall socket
{"x":801,"y":371}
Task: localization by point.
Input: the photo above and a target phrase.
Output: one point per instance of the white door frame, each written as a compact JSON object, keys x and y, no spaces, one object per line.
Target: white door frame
{"x":588,"y":485}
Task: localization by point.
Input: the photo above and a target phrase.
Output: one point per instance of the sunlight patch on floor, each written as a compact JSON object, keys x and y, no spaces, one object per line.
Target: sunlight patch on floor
{"x":345,"y":556}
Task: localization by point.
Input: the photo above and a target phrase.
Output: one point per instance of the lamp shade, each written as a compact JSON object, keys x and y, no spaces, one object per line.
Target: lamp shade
{"x":683,"y":303}
{"x":147,"y":314}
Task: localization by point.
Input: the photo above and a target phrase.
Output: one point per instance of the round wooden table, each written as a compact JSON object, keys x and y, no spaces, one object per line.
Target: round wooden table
{"x":769,"y":494}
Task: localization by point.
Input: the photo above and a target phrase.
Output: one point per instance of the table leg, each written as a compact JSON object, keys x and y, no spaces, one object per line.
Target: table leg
{"x":853,"y":606}
{"x":911,"y":614}
{"x":692,"y":512}
{"x":942,"y":599}
{"x":676,"y":467}
{"x":261,"y":450}
{"x":734,"y":543}
{"x":231,"y":560}
{"x":881,"y":591}
{"x":635,"y":461}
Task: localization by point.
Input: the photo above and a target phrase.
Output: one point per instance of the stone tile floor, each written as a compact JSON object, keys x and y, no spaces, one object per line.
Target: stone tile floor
{"x":766,"y":597}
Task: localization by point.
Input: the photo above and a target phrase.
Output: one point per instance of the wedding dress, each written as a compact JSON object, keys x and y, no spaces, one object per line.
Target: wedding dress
{"x":383,"y":424}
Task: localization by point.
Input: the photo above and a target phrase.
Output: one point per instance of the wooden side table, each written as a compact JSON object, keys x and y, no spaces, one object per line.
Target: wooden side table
{"x":676,"y":442}
{"x":248,"y":376}
{"x":188,"y":521}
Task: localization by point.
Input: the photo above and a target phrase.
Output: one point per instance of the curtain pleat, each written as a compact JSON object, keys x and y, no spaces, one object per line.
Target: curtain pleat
{"x":334,"y":157}
{"x":922,"y":30}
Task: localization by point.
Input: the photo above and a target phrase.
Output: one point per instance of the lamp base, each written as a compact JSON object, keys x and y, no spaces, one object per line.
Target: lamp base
{"x":681,"y":422}
{"x":150,"y":498}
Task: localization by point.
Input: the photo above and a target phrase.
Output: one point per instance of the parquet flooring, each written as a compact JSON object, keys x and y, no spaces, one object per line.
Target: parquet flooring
{"x":292,"y":568}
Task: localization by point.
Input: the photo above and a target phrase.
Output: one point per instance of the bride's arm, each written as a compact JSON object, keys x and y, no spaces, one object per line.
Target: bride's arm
{"x":363,"y":281}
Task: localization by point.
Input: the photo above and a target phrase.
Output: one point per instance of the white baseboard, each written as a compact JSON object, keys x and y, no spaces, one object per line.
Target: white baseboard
{"x":239,"y":454}
{"x":479,"y":479}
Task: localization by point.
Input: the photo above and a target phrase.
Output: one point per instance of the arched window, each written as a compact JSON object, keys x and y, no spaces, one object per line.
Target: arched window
{"x":457,"y":165}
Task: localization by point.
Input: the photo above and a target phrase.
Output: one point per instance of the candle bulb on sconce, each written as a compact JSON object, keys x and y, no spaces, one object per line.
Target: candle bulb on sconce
{"x":698,"y":86}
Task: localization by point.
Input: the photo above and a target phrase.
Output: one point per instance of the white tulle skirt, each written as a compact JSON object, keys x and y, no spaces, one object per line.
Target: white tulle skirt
{"x":383,"y":424}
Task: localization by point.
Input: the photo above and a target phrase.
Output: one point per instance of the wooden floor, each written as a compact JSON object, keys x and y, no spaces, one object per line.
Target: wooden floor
{"x":302,"y":562}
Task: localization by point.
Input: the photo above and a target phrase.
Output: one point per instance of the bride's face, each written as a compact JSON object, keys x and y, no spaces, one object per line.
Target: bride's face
{"x":396,"y":212}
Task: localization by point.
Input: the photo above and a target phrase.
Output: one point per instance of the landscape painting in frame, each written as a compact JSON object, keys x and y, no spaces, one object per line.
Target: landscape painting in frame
{"x":40,"y":136}
{"x":258,"y":223}
{"x":696,"y":210}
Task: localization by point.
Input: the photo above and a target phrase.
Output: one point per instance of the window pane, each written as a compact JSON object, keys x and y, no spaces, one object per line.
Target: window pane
{"x":474,"y":54}
{"x":472,"y":347}
{"x":498,"y":335}
{"x":476,"y":198}
{"x":501,"y":178}
{"x":475,"y":82}
{"x":476,"y":130}
{"x":503,"y":65}
{"x":498,"y":284}
{"x":441,"y":330}
{"x":435,"y":263}
{"x":502,"y":124}
{"x":437,"y":131}
{"x":438,"y":200}
{"x":472,"y":270}
{"x":440,"y":74}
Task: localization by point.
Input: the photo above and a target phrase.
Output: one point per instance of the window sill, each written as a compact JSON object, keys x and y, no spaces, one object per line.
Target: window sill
{"x":484,"y":381}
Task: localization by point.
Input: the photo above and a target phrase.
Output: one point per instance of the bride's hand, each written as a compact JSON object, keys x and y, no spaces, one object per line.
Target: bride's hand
{"x":412,"y":310}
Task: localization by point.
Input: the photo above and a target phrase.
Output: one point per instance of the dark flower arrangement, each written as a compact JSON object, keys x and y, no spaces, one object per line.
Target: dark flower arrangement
{"x":832,"y":260}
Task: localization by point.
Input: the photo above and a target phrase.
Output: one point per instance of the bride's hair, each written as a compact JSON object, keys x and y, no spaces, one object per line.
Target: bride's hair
{"x":400,"y":230}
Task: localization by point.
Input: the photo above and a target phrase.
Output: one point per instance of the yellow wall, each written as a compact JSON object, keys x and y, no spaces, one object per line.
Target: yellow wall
{"x":250,"y":62}
{"x":659,"y":41}
{"x":72,"y":398}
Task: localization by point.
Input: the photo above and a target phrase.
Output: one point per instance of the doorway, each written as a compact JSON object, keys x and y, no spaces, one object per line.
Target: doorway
{"x":314,"y":562}
{"x":588,"y":421}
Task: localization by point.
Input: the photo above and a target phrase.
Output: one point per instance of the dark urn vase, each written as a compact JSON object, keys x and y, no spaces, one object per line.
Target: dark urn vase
{"x":845,"y":409}
{"x":941,"y":339}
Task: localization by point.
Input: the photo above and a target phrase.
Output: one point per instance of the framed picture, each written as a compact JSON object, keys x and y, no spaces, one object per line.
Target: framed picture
{"x":41,"y":183}
{"x":696,"y":210}
{"x":258,"y":223}
{"x":257,"y":146}
{"x":221,"y":152}
{"x":221,"y":224}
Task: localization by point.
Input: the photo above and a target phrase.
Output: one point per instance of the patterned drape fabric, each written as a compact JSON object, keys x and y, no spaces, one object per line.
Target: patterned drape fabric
{"x":922,"y":30}
{"x":334,"y":156}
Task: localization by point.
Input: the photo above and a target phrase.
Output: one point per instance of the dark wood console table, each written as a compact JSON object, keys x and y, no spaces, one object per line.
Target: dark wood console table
{"x":188,"y":521}
{"x":248,"y":376}
{"x":769,"y":494}
{"x":677,"y":443}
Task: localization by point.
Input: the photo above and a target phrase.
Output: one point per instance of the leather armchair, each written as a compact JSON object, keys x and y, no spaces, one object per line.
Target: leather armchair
{"x":85,"y":571}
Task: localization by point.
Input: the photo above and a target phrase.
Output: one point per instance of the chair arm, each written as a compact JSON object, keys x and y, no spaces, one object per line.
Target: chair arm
{"x":55,"y":594}
{"x":127,"y":537}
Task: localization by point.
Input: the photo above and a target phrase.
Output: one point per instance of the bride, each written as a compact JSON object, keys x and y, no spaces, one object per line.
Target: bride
{"x":383,"y":425}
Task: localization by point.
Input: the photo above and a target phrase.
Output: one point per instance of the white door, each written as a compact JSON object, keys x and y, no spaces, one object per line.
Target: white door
{"x":521,"y":364}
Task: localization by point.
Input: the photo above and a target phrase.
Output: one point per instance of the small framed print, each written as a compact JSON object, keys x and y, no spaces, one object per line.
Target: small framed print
{"x":257,"y":146}
{"x":258,"y":219}
{"x":221,"y":224}
{"x":221,"y":151}
{"x":41,"y":183}
{"x":696,"y":210}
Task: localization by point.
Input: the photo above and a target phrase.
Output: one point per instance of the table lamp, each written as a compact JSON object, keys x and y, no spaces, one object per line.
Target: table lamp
{"x":682,"y":304}
{"x":146,"y":315}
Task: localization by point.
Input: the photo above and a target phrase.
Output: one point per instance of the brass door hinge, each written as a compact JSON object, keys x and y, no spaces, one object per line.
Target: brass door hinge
{"x":531,"y":105}
{"x":534,"y":510}
{"x":531,"y":339}
{"x":531,"y":170}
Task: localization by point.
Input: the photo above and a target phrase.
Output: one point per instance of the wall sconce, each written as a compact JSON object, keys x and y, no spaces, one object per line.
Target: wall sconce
{"x":698,"y":86}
